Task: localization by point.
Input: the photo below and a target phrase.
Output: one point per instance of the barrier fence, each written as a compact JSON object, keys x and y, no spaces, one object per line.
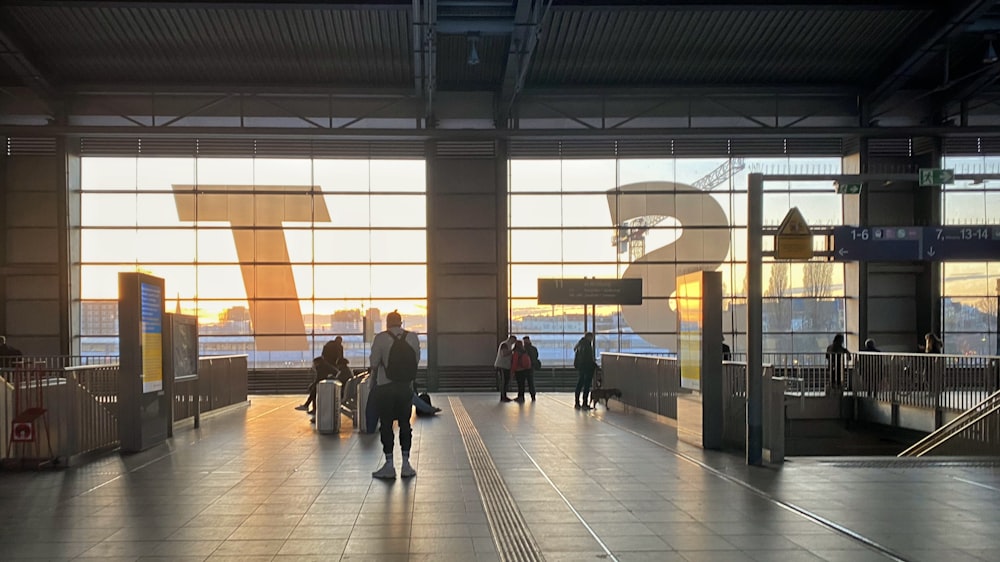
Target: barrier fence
{"x":946,"y":382}
{"x":56,"y":409}
{"x":647,"y":382}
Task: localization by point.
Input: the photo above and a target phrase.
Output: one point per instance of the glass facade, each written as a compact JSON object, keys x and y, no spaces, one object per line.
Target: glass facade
{"x":274,"y":256}
{"x":277,"y":255}
{"x":970,"y":291}
{"x":656,"y":219}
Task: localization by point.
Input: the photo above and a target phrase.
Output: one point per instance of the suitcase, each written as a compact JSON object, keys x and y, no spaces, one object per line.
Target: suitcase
{"x":361,"y":415}
{"x":328,"y":406}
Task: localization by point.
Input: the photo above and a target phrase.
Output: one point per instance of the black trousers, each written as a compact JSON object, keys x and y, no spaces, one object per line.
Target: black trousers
{"x":526,"y":376}
{"x":395,"y":402}
{"x":503,"y":376}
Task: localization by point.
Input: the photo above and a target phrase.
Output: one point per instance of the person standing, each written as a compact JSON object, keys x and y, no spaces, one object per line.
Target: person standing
{"x":502,"y":364}
{"x":7,"y":352}
{"x":394,"y":357}
{"x":932,"y":343}
{"x":520,"y":364}
{"x":837,"y":356}
{"x":585,"y":362}
{"x":536,"y":365}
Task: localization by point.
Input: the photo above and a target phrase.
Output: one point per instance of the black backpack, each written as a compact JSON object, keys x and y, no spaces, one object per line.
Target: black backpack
{"x":584,"y":356}
{"x":402,"y":361}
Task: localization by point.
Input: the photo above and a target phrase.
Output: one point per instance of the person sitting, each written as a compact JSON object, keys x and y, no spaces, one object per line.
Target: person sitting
{"x":321,"y":370}
{"x":870,"y":346}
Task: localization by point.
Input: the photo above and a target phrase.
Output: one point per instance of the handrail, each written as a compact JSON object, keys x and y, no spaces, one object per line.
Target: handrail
{"x":966,"y":419}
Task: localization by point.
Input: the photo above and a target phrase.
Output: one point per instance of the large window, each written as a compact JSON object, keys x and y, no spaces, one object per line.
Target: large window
{"x":970,"y":290}
{"x":274,"y":256}
{"x":656,"y":219}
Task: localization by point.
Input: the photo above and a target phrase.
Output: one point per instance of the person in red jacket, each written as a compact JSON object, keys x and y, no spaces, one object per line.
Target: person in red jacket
{"x":520,"y":365}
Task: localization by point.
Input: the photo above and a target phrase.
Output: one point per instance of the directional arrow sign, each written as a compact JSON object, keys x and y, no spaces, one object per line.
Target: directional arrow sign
{"x":849,"y":188}
{"x":877,"y":243}
{"x":935,"y":176}
{"x":956,"y":243}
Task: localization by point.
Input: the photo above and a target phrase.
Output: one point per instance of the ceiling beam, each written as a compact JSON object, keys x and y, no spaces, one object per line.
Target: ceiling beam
{"x":217,"y":4}
{"x":745,"y":5}
{"x":492,"y":134}
{"x":981,"y":79}
{"x":528,"y":16}
{"x":425,"y":54}
{"x":929,"y":41}
{"x":14,"y":53}
{"x":397,"y":4}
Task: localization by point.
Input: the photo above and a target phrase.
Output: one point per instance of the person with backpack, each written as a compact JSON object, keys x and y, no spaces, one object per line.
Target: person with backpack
{"x":585,"y":362}
{"x":520,"y":366}
{"x":394,"y":357}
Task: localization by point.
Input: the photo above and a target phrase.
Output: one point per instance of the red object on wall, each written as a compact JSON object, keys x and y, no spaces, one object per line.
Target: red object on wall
{"x":23,"y":431}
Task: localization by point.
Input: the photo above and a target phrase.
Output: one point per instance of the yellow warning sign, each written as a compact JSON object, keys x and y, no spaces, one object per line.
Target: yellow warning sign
{"x":793,"y":240}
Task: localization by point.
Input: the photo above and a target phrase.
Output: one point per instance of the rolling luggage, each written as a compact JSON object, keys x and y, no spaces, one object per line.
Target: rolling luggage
{"x":328,"y":406}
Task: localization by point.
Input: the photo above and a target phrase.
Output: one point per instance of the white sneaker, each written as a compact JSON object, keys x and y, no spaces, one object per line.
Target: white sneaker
{"x":387,"y":472}
{"x":407,"y":471}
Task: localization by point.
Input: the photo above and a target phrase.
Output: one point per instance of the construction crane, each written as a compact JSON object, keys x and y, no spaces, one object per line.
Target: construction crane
{"x":630,"y":235}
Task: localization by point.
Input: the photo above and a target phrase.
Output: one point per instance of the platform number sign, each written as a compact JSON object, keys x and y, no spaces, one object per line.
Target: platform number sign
{"x":22,"y":432}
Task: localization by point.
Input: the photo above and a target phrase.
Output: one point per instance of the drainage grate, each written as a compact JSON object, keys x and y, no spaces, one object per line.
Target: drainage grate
{"x":509,"y":530}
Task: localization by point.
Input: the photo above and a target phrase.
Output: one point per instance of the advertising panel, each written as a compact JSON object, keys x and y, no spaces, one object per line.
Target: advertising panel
{"x":689,"y":303}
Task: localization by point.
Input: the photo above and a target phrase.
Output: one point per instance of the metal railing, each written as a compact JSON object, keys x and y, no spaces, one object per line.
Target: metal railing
{"x":807,"y":373}
{"x":74,"y":409}
{"x":57,"y":361}
{"x":647,"y":382}
{"x":71,"y":411}
{"x":734,"y":406}
{"x":222,"y":381}
{"x":975,"y":424}
{"x":943,"y":382}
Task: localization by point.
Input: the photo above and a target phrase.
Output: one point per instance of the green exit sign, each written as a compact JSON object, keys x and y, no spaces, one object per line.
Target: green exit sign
{"x":849,"y":188}
{"x":935,"y":176}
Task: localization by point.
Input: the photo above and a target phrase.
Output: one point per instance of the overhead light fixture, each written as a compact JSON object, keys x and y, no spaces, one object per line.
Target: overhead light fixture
{"x":473,"y":53}
{"x":990,"y":56}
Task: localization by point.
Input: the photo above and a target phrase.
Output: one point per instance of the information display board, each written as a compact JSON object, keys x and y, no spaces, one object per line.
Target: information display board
{"x":877,"y":243}
{"x":943,"y":243}
{"x":916,"y":243}
{"x":589,"y":291}
{"x":151,"y":334}
{"x":142,"y":406}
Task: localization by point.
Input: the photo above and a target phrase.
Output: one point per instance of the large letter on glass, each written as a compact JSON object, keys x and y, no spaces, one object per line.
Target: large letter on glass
{"x":256,"y":219}
{"x":702,"y":246}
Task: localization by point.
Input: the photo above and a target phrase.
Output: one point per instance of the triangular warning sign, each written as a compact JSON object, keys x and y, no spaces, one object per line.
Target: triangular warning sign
{"x":793,"y":224}
{"x":793,"y":240}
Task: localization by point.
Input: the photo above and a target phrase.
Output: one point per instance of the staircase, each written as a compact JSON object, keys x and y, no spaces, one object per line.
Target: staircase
{"x":977,"y":425}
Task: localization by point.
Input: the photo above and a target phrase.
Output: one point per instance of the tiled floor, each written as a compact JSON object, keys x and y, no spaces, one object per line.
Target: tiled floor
{"x":260,"y":484}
